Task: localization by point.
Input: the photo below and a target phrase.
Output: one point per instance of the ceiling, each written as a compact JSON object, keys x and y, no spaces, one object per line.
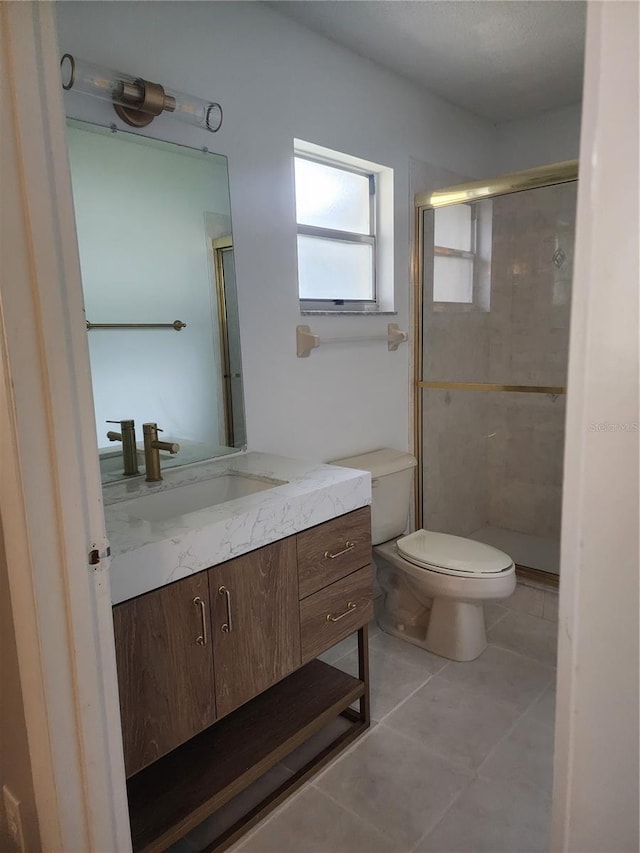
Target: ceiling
{"x":500,"y":59}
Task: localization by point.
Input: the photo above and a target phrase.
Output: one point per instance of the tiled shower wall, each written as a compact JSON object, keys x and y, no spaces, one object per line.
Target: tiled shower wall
{"x":496,"y":458}
{"x":525,"y":463}
{"x":456,"y":456}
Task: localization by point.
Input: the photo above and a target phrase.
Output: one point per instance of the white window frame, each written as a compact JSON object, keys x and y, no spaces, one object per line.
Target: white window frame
{"x":380,"y":231}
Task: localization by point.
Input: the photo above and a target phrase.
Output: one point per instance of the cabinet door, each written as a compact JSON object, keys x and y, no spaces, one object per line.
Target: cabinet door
{"x":165,"y":670}
{"x":256,"y":625}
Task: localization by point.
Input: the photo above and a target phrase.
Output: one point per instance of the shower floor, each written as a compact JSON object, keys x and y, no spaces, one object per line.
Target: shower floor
{"x":534,"y":552}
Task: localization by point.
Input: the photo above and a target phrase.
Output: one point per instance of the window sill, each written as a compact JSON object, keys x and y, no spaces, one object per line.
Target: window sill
{"x":342,"y":312}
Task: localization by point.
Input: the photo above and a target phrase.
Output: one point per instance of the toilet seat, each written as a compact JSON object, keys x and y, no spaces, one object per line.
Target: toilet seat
{"x":453,"y":555}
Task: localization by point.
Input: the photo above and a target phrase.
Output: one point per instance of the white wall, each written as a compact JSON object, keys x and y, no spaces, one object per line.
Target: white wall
{"x":596,"y":759}
{"x":550,"y":137}
{"x":277,"y":81}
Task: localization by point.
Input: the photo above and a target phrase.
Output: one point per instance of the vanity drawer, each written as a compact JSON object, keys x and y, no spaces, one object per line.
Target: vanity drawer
{"x":333,"y":550}
{"x":333,"y":613}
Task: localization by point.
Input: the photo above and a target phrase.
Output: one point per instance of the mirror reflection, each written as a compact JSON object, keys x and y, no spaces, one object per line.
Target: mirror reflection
{"x":158,"y":275}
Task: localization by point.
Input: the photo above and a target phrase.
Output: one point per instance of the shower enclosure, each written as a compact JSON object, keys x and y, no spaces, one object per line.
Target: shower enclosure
{"x":493,"y":272}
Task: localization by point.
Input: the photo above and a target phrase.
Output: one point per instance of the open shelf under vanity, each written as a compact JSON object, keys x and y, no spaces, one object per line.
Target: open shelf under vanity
{"x":179,"y":791}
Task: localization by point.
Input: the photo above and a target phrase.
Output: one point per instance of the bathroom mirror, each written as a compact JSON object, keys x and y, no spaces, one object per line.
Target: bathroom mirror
{"x":156,"y":254}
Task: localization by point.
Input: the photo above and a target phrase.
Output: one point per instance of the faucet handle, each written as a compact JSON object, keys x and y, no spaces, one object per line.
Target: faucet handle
{"x":127,"y":426}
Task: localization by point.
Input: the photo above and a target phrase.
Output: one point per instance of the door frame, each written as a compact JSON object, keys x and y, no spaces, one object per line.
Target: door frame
{"x":221,"y":245}
{"x":50,"y":492}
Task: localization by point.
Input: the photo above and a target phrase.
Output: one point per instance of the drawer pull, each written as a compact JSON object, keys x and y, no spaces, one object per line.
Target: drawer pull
{"x":348,"y":546}
{"x":350,"y":606}
{"x":202,"y":639}
{"x":228,"y":626}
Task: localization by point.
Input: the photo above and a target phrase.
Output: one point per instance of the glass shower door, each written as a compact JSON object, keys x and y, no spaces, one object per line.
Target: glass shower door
{"x":495,"y":329}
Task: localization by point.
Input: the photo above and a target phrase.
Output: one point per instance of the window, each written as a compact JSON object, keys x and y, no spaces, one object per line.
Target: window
{"x":462,"y":245}
{"x":337,"y":213}
{"x":454,"y":245}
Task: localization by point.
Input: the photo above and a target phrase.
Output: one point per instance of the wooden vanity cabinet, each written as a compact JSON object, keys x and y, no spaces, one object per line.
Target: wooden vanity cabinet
{"x":256,"y":630}
{"x":238,"y":644}
{"x":193,"y":651}
{"x":165,"y":669}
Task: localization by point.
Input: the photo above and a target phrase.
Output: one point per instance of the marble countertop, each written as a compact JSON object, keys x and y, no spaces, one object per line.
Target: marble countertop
{"x":146,"y":555}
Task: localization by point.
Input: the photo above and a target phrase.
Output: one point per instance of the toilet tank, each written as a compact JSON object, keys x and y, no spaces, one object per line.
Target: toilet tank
{"x":391,"y":480}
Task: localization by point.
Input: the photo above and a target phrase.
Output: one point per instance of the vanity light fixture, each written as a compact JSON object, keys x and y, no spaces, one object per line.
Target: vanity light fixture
{"x":136,"y":101}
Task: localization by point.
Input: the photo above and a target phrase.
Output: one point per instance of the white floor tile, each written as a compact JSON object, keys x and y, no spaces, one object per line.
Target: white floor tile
{"x":503,"y":675}
{"x":458,"y":724}
{"x":314,"y":823}
{"x":525,"y":755}
{"x":493,"y":817}
{"x":394,"y":784}
{"x":406,"y":652}
{"x":550,"y":609}
{"x":492,"y":614}
{"x":543,"y":711}
{"x":526,"y":635}
{"x":393,"y":675}
{"x":526,"y":599}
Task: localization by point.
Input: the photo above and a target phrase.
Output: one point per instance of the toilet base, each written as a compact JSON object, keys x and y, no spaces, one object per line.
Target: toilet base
{"x":457,"y":632}
{"x":408,"y":633}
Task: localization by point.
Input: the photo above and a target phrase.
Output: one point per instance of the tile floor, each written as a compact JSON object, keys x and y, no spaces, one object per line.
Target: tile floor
{"x":459,"y":757}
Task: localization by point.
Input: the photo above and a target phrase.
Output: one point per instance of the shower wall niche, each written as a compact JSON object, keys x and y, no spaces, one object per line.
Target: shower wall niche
{"x":495,"y":330}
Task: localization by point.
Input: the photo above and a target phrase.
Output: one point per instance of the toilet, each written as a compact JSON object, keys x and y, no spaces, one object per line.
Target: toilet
{"x":434,"y":584}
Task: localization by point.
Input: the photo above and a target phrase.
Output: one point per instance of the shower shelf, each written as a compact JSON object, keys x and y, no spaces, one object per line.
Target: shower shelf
{"x":306,"y":340}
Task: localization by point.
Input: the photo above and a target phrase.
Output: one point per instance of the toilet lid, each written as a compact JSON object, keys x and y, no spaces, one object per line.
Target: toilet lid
{"x":455,"y":553}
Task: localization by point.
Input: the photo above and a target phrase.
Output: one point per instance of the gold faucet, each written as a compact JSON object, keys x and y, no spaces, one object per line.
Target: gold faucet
{"x":151,"y":455}
{"x":127,"y":436}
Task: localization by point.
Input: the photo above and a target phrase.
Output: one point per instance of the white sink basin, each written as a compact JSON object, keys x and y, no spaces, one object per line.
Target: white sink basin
{"x":195,"y":496}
